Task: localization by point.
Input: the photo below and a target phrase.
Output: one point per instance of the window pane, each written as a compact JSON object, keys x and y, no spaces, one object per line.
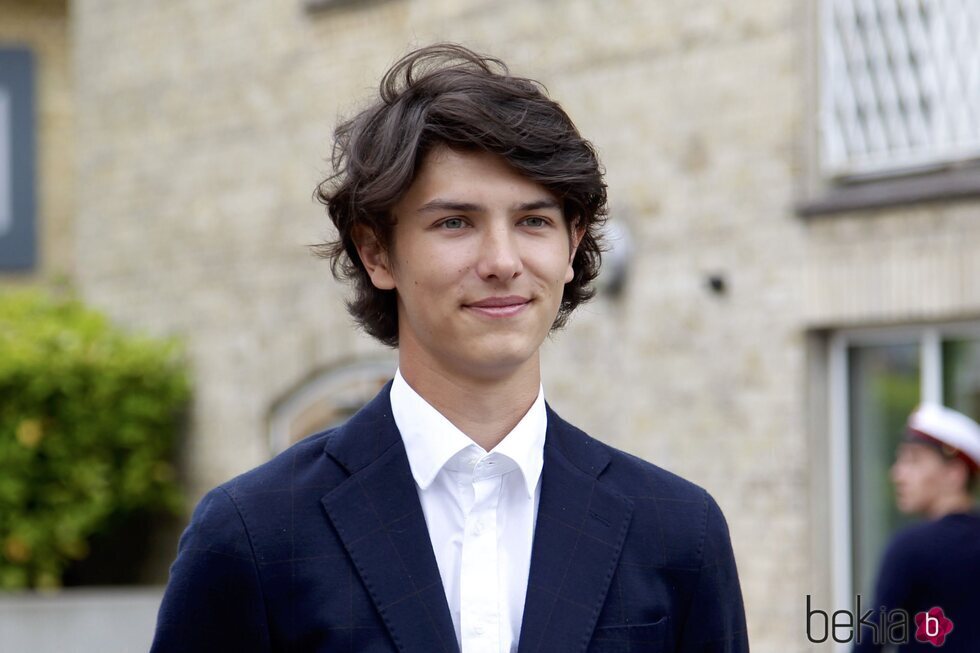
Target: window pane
{"x":900,"y":85}
{"x":17,"y":200}
{"x":883,"y":390}
{"x":961,"y":376}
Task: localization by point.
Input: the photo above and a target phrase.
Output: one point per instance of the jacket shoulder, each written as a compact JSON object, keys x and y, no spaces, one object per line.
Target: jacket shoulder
{"x":670,"y":513}
{"x":304,"y":464}
{"x":635,"y":476}
{"x":914,"y":547}
{"x":626,"y":473}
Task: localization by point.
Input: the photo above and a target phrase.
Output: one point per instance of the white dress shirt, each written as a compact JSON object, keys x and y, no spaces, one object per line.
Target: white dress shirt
{"x":480,"y":508}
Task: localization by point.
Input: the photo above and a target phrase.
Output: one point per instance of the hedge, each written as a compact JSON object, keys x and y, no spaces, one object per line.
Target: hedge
{"x":88,"y":422}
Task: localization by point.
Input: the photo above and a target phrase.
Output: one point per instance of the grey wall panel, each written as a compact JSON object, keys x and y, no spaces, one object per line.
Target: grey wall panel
{"x":18,"y":200}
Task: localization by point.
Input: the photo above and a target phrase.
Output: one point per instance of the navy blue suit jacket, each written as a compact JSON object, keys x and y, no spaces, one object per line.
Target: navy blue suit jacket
{"x":325,"y":548}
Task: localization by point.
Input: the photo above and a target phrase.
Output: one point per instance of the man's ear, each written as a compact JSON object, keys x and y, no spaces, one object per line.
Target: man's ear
{"x":374,"y":257}
{"x":577,"y":232}
{"x":961,"y":475}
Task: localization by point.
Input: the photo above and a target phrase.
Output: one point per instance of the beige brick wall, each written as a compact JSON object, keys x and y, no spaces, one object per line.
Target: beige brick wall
{"x":42,"y":26}
{"x":203,"y":127}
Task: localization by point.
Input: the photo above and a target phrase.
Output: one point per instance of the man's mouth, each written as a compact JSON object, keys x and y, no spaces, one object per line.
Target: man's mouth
{"x":499,"y":306}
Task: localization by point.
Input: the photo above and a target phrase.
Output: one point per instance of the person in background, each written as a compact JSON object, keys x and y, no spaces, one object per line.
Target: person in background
{"x":936,"y":563}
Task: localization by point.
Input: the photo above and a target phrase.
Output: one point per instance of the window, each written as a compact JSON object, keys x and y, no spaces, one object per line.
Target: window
{"x":897,"y":115}
{"x":877,"y":378}
{"x":901,"y":85}
{"x":17,"y":249}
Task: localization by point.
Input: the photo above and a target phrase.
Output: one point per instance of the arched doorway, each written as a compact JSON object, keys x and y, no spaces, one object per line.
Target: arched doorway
{"x":326,"y":399}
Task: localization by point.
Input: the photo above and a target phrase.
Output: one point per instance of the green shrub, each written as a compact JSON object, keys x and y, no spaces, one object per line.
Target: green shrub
{"x":88,"y":421}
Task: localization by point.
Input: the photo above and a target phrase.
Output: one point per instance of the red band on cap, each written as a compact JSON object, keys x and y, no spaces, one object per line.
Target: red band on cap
{"x":948,"y":450}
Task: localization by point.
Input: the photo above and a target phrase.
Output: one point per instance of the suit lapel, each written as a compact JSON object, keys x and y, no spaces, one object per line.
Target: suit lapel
{"x":377,"y":515}
{"x":581,"y":526}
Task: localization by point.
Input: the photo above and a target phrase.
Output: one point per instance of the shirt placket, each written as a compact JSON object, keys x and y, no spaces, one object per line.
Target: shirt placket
{"x":479,"y":570}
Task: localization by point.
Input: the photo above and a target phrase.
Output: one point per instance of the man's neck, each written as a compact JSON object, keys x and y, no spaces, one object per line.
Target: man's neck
{"x":950,"y":505}
{"x":485,"y":409}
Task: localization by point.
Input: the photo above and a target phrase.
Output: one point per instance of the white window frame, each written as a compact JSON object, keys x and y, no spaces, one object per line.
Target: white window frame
{"x":6,"y":162}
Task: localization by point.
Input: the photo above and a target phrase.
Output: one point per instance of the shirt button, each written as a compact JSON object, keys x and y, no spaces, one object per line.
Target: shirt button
{"x":478,"y":630}
{"x":478,"y":528}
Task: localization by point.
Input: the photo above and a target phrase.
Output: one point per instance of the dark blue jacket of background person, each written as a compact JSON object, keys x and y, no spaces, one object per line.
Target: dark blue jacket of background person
{"x":325,"y":548}
{"x":933,"y":564}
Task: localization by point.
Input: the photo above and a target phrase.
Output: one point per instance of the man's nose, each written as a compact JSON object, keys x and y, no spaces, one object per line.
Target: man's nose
{"x":895,"y":471}
{"x":499,"y":255}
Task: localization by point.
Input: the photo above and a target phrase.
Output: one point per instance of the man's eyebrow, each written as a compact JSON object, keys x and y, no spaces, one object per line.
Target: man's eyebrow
{"x":440,"y":204}
{"x":450,"y":205}
{"x":544,"y":203}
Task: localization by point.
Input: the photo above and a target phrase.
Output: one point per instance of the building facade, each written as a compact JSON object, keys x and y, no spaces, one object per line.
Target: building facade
{"x":800,"y":215}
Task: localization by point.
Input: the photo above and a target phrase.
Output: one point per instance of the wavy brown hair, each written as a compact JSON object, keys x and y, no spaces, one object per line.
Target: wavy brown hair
{"x":447,"y":95}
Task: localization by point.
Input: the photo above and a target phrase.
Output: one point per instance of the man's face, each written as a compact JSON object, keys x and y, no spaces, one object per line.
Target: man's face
{"x":479,"y":257}
{"x":922,"y":478}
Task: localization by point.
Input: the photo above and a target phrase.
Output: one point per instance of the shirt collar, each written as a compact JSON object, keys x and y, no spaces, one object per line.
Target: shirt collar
{"x":431,"y":440}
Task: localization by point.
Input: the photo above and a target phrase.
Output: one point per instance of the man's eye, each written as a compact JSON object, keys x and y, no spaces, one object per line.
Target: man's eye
{"x":535,"y":221}
{"x":453,"y":223}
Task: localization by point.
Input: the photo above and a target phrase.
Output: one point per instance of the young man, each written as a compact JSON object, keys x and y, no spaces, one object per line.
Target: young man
{"x":935,"y":563}
{"x":457,"y":511}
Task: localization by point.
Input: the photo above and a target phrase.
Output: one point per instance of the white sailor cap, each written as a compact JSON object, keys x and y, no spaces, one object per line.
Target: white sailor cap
{"x":956,"y":434}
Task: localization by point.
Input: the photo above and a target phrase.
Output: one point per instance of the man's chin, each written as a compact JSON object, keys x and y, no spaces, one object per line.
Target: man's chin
{"x":494,"y":360}
{"x":907,"y":507}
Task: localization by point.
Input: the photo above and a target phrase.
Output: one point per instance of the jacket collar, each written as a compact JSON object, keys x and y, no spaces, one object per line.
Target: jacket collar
{"x":581,"y":527}
{"x":368,"y":434}
{"x":377,"y":515}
